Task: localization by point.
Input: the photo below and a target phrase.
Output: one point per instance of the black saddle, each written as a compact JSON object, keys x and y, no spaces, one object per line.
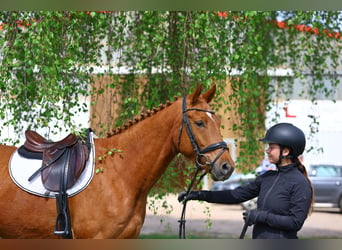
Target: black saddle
{"x":62,"y":164}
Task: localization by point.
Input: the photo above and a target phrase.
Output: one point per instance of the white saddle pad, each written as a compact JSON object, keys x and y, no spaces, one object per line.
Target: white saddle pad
{"x":21,"y":169}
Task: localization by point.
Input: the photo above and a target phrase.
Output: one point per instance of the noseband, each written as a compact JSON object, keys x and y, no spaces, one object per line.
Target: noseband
{"x":200,"y":154}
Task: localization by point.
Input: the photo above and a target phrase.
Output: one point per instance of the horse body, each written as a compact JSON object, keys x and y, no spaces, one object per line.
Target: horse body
{"x":21,"y":212}
{"x":114,"y":204}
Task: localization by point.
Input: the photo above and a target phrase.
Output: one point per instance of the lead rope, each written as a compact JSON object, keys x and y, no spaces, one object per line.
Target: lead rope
{"x":182,"y":220}
{"x":244,"y":229}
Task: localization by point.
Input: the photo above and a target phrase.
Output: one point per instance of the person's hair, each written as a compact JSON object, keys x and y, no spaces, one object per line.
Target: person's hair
{"x":302,"y":169}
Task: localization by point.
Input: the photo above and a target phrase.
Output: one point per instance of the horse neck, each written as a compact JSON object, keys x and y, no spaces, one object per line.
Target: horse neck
{"x":147,"y":148}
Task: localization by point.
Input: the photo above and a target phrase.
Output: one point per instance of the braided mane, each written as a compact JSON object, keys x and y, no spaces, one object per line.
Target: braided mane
{"x":139,"y":118}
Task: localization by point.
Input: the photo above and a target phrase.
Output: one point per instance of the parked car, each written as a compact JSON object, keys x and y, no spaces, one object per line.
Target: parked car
{"x":327,"y":183}
{"x":236,"y":180}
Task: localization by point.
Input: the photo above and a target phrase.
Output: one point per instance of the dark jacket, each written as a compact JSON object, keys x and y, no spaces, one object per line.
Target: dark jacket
{"x":285,"y":195}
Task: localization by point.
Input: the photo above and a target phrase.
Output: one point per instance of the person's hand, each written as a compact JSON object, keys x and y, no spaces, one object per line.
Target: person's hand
{"x":181,"y":196}
{"x":194,"y":195}
{"x":252,"y":216}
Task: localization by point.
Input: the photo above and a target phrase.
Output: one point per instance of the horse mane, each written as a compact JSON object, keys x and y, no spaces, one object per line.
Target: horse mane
{"x":142,"y":116}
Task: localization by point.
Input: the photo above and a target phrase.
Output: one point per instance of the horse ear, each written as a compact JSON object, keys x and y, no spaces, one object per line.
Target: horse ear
{"x":209,"y":95}
{"x":196,"y":94}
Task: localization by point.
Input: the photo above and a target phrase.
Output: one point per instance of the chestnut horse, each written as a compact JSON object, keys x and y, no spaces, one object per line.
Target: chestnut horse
{"x":114,"y":203}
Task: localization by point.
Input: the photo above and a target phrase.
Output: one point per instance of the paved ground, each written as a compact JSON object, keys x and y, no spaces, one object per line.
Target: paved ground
{"x":226,"y":221}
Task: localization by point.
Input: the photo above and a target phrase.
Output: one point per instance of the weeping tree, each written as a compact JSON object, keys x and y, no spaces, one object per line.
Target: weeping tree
{"x":50,"y":61}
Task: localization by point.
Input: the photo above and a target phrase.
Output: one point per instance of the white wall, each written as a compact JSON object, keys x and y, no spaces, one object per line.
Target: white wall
{"x":81,"y":120}
{"x":329,"y":137}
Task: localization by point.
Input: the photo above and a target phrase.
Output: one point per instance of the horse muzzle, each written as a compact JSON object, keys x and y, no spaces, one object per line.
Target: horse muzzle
{"x":221,"y":171}
{"x":219,"y":167}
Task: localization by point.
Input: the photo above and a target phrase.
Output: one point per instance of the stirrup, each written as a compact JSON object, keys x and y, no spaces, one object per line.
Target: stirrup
{"x":66,"y":232}
{"x":63,"y":223}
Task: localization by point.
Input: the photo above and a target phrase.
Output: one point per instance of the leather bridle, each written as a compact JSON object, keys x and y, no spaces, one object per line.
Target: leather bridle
{"x":200,"y":155}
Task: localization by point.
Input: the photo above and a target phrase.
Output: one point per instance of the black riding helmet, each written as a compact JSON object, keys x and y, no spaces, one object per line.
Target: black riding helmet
{"x":286,"y":135}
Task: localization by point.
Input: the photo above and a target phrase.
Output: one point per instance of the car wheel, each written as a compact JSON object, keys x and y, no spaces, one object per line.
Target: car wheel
{"x":250,"y":204}
{"x":340,"y":204}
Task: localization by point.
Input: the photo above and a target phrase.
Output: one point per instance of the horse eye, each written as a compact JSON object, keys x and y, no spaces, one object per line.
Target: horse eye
{"x":199,"y":123}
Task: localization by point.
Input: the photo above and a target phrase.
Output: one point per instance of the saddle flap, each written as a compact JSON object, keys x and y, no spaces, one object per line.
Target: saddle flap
{"x":63,"y":166}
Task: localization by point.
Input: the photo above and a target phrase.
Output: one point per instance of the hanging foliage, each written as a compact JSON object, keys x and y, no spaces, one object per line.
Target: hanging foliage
{"x":49,"y":60}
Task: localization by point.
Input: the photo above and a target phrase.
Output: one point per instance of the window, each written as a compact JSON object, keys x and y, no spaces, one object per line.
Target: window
{"x":325,"y":171}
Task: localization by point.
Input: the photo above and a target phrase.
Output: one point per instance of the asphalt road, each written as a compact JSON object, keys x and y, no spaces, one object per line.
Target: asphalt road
{"x":207,"y":220}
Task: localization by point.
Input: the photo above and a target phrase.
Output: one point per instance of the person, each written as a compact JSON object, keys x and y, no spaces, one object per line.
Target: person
{"x":285,"y":196}
{"x":265,"y":166}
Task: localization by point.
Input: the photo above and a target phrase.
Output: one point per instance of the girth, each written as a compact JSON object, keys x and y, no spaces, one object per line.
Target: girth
{"x":62,"y":164}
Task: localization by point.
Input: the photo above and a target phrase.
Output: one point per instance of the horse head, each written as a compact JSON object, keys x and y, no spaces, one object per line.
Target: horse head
{"x":200,"y":138}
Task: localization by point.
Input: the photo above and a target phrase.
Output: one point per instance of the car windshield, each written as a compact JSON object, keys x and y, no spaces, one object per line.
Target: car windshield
{"x":325,"y":171}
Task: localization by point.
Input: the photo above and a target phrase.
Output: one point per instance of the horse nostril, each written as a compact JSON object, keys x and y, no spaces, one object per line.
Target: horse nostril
{"x":225,"y":168}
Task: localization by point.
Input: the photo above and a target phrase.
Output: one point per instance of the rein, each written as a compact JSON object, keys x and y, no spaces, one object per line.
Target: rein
{"x":200,"y":154}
